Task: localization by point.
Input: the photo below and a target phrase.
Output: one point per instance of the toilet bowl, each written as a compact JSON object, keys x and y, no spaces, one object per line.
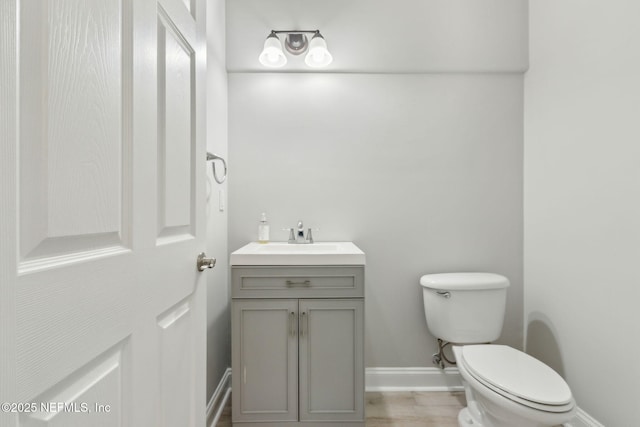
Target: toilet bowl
{"x":504,"y":387}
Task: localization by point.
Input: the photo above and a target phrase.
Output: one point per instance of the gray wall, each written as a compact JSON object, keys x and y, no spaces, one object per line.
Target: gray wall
{"x":382,"y":36}
{"x":218,"y":321}
{"x":582,"y":201}
{"x":422,"y":171}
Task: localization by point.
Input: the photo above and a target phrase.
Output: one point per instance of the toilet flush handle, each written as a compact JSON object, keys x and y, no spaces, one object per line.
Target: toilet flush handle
{"x":444,"y":294}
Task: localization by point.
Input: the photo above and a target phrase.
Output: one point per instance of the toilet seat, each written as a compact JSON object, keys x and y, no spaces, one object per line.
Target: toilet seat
{"x":517,"y":376}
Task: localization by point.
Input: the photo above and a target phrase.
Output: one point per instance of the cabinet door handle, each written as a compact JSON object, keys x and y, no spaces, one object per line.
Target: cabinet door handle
{"x":302,"y":317}
{"x":303,"y":283}
{"x":292,"y":328}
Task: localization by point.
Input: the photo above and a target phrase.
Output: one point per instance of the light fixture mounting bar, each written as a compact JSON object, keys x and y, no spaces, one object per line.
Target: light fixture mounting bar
{"x":295,"y":31}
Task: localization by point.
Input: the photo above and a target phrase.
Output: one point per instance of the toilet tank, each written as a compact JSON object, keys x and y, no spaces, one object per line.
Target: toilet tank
{"x":465,"y":308}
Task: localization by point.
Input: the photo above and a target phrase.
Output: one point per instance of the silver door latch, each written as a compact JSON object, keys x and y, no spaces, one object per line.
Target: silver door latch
{"x":203,"y":262}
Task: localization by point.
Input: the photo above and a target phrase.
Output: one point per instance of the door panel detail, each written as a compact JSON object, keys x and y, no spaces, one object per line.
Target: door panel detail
{"x":75,"y":144}
{"x":176,"y":132}
{"x":176,"y":366}
{"x":96,"y":395}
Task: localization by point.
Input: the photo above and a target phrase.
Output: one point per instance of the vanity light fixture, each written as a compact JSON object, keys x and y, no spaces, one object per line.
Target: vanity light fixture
{"x":296,"y":43}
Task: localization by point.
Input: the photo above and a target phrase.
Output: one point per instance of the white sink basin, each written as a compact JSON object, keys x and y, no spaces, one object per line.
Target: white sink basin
{"x":283,"y":253}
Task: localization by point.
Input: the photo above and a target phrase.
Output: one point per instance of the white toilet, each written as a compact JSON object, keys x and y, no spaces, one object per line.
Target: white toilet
{"x":504,"y":387}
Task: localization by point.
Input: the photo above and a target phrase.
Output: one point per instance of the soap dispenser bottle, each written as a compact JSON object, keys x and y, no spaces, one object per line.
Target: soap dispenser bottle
{"x":263,"y":229}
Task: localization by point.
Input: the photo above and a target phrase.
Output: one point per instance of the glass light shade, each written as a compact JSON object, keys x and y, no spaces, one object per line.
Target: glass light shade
{"x":272,"y":54}
{"x":318,"y":55}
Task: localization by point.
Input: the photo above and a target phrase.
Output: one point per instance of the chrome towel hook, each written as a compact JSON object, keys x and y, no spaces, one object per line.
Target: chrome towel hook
{"x":214,"y":157}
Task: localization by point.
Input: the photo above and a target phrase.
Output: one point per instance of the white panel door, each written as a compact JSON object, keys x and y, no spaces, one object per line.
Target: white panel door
{"x":102,"y":173}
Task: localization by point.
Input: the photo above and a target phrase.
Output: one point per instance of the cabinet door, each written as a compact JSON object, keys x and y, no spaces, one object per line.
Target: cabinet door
{"x":331,"y":360}
{"x":265,"y":360}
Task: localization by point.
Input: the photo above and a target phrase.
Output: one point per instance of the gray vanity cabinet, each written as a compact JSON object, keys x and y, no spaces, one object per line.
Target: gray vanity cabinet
{"x":298,"y":361}
{"x":331,"y":343}
{"x":265,"y":360}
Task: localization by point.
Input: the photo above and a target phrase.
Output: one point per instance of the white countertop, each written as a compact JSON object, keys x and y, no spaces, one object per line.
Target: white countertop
{"x":283,"y":253}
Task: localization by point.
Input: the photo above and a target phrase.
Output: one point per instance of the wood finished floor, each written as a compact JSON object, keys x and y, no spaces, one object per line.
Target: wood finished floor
{"x":401,"y":409}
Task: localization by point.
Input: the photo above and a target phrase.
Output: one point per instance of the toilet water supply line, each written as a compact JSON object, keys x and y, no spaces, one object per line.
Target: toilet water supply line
{"x":439,"y":358}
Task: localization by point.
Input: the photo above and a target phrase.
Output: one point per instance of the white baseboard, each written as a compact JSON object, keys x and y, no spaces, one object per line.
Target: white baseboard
{"x":582,"y":419}
{"x":412,"y":379}
{"x":219,"y":399}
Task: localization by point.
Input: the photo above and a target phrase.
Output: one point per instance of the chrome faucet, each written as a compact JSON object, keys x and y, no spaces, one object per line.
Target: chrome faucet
{"x":300,"y":234}
{"x":299,"y":237}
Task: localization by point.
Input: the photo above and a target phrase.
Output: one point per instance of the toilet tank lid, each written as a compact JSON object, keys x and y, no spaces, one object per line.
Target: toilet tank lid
{"x":464,"y":281}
